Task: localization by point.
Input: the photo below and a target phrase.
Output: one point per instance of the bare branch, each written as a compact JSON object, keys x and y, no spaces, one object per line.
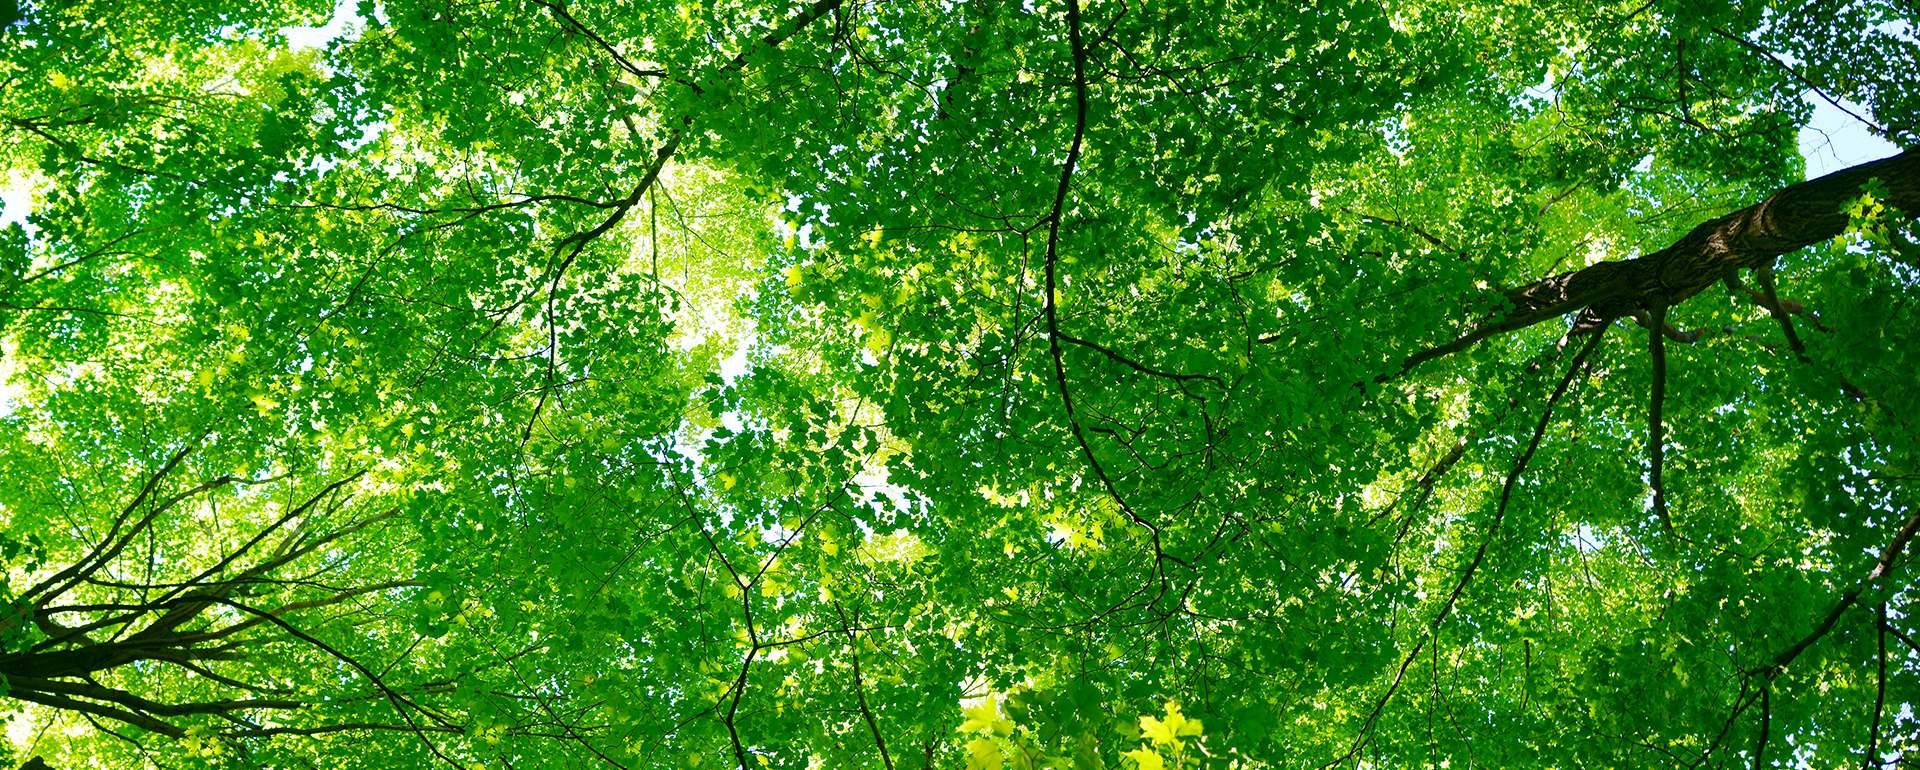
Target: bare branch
{"x":111,"y":544}
{"x":1877,"y":128}
{"x":62,"y":702}
{"x":1880,"y":688}
{"x":339,"y":728}
{"x":1052,"y":302}
{"x":137,"y":703}
{"x":560,"y":13}
{"x":1506,"y":494}
{"x":1656,"y":424}
{"x":1136,"y":366}
{"x":1781,"y":309}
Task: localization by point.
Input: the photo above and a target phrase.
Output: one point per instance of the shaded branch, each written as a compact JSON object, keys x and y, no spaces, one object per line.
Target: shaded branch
{"x":1656,"y":423}
{"x":860,"y":688}
{"x":1051,"y":268}
{"x":1519,"y":466}
{"x":560,"y":13}
{"x":1880,"y":569}
{"x":137,"y":703}
{"x":110,"y":545}
{"x":1506,"y":495}
{"x":1136,"y":366}
{"x":1780,"y":310}
{"x":339,"y":728}
{"x":143,"y":722}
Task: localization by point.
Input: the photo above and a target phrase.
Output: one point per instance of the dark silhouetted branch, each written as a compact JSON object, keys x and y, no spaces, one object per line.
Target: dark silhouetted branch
{"x":1656,"y":420}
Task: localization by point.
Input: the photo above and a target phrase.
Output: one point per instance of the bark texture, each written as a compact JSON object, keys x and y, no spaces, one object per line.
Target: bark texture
{"x":1793,"y":218}
{"x":1796,"y":217}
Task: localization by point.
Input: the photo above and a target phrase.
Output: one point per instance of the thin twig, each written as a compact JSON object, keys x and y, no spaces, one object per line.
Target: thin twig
{"x":1877,"y":128}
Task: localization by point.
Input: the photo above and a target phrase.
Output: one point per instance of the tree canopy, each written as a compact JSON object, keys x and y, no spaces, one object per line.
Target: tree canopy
{"x":961,"y":384}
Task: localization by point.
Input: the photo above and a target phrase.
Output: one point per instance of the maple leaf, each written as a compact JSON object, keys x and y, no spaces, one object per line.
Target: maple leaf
{"x":984,"y":754}
{"x":1169,"y":731}
{"x":985,"y":716}
{"x":1147,"y":760}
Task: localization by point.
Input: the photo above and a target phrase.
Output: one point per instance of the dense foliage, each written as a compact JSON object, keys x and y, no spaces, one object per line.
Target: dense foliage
{"x":1079,"y":383}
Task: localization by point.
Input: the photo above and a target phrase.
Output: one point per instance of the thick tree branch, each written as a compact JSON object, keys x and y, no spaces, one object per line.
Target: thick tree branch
{"x":137,"y":703}
{"x":64,"y":703}
{"x":1797,"y":216}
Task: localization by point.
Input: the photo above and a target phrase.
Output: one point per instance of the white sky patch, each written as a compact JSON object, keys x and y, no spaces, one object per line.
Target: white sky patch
{"x":16,"y":195}
{"x":345,"y":18}
{"x":736,"y":365}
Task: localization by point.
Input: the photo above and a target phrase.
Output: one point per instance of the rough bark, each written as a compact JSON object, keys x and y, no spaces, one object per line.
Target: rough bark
{"x":1796,"y":217}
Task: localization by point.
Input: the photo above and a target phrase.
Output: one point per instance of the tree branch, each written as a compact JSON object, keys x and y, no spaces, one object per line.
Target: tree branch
{"x":111,"y":544}
{"x":1797,"y":216}
{"x":137,"y":703}
{"x":860,"y":688}
{"x":1880,"y":569}
{"x":1877,"y":128}
{"x":1656,"y":423}
{"x":62,"y":702}
{"x":1513,"y":475}
{"x":1506,"y":495}
{"x":1051,"y":266}
{"x":1136,"y":366}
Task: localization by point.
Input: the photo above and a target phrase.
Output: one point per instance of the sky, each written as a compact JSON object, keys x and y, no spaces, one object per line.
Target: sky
{"x":1834,"y":140}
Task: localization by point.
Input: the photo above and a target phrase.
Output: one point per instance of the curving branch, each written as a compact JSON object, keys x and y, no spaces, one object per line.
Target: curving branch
{"x":1135,"y":365}
{"x":1052,"y":300}
{"x":111,"y":545}
{"x":1781,"y":310}
{"x":860,"y":687}
{"x":137,"y":703}
{"x":1877,"y":129}
{"x":64,"y":703}
{"x":561,"y":15}
{"x":1520,"y":466}
{"x":574,"y":244}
